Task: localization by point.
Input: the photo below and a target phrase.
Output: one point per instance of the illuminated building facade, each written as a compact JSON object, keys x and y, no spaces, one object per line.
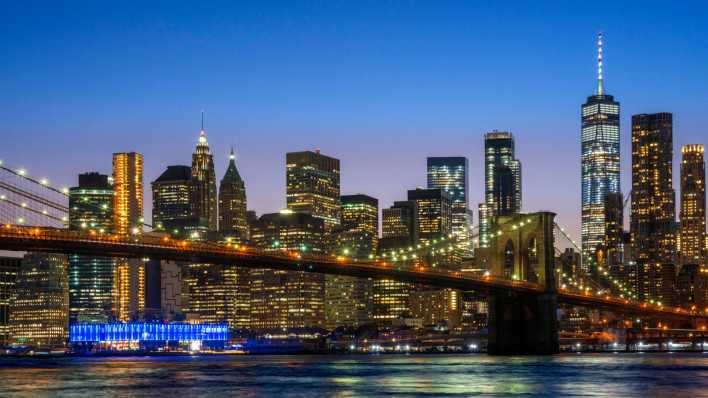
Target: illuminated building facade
{"x":348,"y":299}
{"x":39,"y":316}
{"x":9,"y":267}
{"x":91,"y":278}
{"x":434,"y":213}
{"x":287,"y":299}
{"x":451,"y":174}
{"x":232,"y":202}
{"x":399,"y":228}
{"x":434,"y":306}
{"x":171,"y":210}
{"x":610,"y":254}
{"x":128,"y":287}
{"x":203,"y":187}
{"x":313,"y":186}
{"x":146,"y":336}
{"x":693,"y":205}
{"x":653,"y":206}
{"x":208,"y":292}
{"x":502,"y":181}
{"x":600,"y":163}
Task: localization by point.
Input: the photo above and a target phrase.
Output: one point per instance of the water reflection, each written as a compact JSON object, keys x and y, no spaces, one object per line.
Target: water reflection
{"x":600,"y":375}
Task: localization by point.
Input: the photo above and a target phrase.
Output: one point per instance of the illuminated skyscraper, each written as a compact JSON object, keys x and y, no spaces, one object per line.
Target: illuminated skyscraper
{"x":693,"y":205}
{"x":653,"y":219}
{"x":502,"y":181}
{"x":9,"y":267}
{"x":39,"y":315}
{"x":171,"y":210}
{"x":451,"y":174}
{"x":399,"y":229}
{"x":203,"y":187}
{"x":600,"y":163}
{"x":232,"y":202}
{"x":287,"y":299}
{"x":313,"y":186}
{"x":129,"y":288}
{"x":91,"y":278}
{"x":348,"y":299}
{"x":434,"y":213}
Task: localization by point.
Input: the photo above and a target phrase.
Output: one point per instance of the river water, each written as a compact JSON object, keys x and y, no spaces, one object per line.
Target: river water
{"x":568,"y":375}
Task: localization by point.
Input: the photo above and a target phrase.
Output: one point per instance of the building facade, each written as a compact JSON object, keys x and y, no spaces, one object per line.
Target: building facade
{"x":128,"y":288}
{"x":600,"y":163}
{"x":91,"y":284}
{"x":232,"y":203}
{"x":693,"y":205}
{"x":313,"y":186}
{"x":502,"y":181}
{"x":9,"y":267}
{"x":653,"y":218}
{"x":451,"y":174}
{"x":203,"y":188}
{"x":287,"y":299}
{"x":171,"y":209}
{"x":39,"y":315}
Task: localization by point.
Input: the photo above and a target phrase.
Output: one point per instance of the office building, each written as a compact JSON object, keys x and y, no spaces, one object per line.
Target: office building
{"x":203,"y":187}
{"x":600,"y":163}
{"x":693,"y":205}
{"x":652,"y":220}
{"x":451,"y":174}
{"x":129,"y":276}
{"x":348,"y":299}
{"x":171,"y":209}
{"x":9,"y":267}
{"x":232,"y":203}
{"x":313,"y":186}
{"x":91,"y":278}
{"x":502,"y":181}
{"x":287,"y":299}
{"x":39,"y":315}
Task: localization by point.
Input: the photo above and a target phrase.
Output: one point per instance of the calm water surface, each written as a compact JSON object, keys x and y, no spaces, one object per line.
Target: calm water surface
{"x":594,"y":375}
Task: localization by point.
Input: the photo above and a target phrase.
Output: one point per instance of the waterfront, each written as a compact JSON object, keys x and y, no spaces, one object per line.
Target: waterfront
{"x":597,"y":375}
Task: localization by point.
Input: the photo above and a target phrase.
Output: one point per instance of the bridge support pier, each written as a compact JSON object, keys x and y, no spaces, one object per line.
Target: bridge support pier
{"x":522,"y":323}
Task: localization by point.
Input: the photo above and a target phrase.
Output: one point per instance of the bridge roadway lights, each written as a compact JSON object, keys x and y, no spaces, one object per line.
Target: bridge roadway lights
{"x":522,"y":323}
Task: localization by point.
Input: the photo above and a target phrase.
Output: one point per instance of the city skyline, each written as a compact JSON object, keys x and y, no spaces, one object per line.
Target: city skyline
{"x":355,"y":124}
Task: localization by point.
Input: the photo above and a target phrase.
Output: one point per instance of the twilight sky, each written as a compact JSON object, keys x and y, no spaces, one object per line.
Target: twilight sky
{"x":379,"y":85}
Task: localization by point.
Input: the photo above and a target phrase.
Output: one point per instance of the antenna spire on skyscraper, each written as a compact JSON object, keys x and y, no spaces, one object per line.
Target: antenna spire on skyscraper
{"x":599,"y":63}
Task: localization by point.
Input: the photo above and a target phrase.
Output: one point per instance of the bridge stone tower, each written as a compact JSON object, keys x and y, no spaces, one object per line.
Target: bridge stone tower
{"x":521,"y":248}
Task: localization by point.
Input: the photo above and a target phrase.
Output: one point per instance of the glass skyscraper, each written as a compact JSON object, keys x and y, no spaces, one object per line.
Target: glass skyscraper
{"x":451,"y":174}
{"x":502,"y":181}
{"x":600,"y":163}
{"x":91,"y":278}
{"x":171,"y":210}
{"x":313,"y":186}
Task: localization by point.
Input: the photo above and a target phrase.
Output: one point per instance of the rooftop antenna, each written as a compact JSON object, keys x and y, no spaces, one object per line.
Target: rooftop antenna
{"x":232,"y":156}
{"x":599,"y":63}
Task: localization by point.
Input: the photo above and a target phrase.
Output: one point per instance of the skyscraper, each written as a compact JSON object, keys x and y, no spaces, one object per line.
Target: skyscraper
{"x":399,"y":228}
{"x":451,"y":174}
{"x":502,"y":181}
{"x":128,"y":192}
{"x":9,"y":267}
{"x":434,"y":213}
{"x":313,"y":186}
{"x":287,"y":299}
{"x":232,"y":202}
{"x":600,"y":162}
{"x":39,"y":315}
{"x":129,"y":288}
{"x":693,"y":205}
{"x":653,"y":206}
{"x":171,"y":209}
{"x":91,"y":278}
{"x":203,"y":187}
{"x":348,"y":299}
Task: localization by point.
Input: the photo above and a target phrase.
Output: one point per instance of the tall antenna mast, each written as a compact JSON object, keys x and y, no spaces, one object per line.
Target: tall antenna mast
{"x":599,"y":63}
